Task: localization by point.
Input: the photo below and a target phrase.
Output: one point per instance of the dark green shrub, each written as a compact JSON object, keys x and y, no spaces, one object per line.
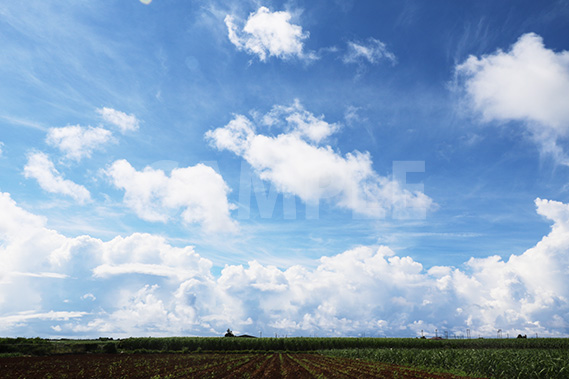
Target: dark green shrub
{"x":110,"y":348}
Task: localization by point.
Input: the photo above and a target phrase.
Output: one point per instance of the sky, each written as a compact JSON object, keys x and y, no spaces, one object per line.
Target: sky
{"x":291,"y":168}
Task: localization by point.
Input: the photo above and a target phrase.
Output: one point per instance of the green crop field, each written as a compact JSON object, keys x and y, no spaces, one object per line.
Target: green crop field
{"x":483,"y":362}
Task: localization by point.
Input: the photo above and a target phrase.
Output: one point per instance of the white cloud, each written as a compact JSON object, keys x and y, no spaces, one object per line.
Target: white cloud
{"x":88,"y":296}
{"x":1,"y":147}
{"x":148,"y":254}
{"x":140,"y":285}
{"x":199,"y":191}
{"x":39,"y":167}
{"x":32,"y":256}
{"x":24,"y":246}
{"x":125,"y":122}
{"x":236,"y":136}
{"x":529,"y":83}
{"x":372,"y":51}
{"x":27,"y":316}
{"x":352,"y":116}
{"x":78,"y":142}
{"x":268,"y":34}
{"x":295,"y":163}
{"x":298,"y":121}
{"x":53,"y":275}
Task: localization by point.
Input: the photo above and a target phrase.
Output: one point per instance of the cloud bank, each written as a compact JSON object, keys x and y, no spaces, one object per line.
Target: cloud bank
{"x":528,"y":83}
{"x":141,"y":285}
{"x":297,"y":162}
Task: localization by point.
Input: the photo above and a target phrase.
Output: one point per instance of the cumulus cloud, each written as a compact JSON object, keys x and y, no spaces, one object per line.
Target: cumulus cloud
{"x":33,"y":256}
{"x":125,"y":122}
{"x":24,"y":244}
{"x":268,"y":34}
{"x":148,"y":254}
{"x":298,"y":121}
{"x":41,"y":168}
{"x":198,"y":191}
{"x":140,"y":285}
{"x":78,"y":142}
{"x":297,"y":163}
{"x":528,"y":83}
{"x":372,"y":51}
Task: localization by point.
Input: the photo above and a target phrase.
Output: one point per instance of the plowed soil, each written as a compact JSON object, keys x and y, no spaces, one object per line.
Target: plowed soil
{"x":274,"y":366}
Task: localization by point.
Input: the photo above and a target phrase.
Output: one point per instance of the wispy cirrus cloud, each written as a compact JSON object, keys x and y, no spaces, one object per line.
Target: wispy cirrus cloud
{"x":371,"y":51}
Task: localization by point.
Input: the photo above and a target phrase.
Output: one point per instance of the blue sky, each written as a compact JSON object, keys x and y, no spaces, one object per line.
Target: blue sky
{"x":300,"y":168}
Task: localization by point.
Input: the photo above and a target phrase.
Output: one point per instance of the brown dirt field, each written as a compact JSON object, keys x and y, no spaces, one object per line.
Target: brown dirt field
{"x":214,"y":365}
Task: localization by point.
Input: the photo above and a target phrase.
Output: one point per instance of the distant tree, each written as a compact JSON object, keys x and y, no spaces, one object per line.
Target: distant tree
{"x":229,"y":333}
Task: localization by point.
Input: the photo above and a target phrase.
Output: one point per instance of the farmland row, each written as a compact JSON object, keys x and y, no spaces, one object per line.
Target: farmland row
{"x":255,"y":366}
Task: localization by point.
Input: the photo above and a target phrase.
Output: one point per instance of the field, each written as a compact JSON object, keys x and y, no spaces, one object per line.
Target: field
{"x":198,"y":357}
{"x":211,"y":365}
{"x":495,"y":363}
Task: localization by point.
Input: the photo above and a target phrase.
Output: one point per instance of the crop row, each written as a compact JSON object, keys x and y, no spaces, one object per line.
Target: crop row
{"x":38,"y":346}
{"x":311,"y":344}
{"x":497,"y":363}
